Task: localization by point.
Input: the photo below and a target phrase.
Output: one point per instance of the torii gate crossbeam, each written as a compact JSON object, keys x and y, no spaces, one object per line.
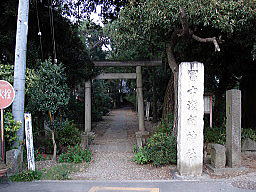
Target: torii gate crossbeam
{"x":138,"y":76}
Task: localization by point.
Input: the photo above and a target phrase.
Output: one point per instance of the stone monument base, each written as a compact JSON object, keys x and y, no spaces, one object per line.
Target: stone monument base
{"x":226,"y":170}
{"x":175,"y":175}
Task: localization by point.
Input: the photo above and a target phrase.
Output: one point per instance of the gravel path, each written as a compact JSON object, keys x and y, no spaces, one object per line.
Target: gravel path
{"x":112,"y":151}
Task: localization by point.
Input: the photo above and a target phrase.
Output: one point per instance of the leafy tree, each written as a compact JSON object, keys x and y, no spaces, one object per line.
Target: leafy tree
{"x":47,"y":26}
{"x":176,"y":27}
{"x":69,"y":48}
{"x":82,"y":8}
{"x":49,"y":93}
{"x":93,"y":38}
{"x":7,"y":71}
{"x":101,"y":101}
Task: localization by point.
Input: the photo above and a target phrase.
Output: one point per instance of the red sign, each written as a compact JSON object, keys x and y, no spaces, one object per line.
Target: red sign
{"x":7,"y":94}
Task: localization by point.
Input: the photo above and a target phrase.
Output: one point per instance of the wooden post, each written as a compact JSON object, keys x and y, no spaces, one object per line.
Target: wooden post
{"x":87,"y":100}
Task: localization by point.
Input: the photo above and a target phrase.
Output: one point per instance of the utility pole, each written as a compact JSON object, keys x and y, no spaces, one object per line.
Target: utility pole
{"x":20,"y":66}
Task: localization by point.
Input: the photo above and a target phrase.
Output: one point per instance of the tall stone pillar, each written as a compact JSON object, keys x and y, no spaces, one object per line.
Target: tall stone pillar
{"x":141,"y":135}
{"x":190,"y":119}
{"x":233,"y":127}
{"x":140,"y":99}
{"x":88,"y":103}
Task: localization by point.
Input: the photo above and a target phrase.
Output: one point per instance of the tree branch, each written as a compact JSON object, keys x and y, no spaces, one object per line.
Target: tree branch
{"x":207,"y":40}
{"x":184,"y":22}
{"x":169,"y":50}
{"x":98,"y":43}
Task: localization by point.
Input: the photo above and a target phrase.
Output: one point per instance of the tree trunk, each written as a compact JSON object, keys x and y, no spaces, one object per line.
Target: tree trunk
{"x":168,"y":106}
{"x":53,"y":136}
{"x":175,"y":88}
{"x":185,"y":32}
{"x":175,"y":70}
{"x":54,"y":146}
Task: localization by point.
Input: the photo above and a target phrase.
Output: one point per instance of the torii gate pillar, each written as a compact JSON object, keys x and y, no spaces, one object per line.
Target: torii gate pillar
{"x":140,"y":99}
{"x":141,"y":134}
{"x":88,"y":107}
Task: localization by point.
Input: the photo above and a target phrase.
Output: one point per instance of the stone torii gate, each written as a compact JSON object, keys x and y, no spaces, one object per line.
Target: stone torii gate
{"x":138,"y":76}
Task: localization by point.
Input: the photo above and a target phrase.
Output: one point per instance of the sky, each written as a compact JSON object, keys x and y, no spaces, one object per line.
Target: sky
{"x":97,"y":19}
{"x":95,"y":16}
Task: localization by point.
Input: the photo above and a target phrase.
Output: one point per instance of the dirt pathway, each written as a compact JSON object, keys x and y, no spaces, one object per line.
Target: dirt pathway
{"x":112,"y":151}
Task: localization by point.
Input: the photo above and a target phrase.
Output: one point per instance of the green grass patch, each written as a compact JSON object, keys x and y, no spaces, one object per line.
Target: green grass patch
{"x":27,"y":175}
{"x":60,"y":171}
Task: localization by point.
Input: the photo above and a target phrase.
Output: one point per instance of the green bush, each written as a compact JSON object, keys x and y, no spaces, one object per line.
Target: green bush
{"x":248,"y":133}
{"x":218,"y":135}
{"x":68,"y":134}
{"x":161,"y":147}
{"x":26,"y":176}
{"x":10,"y":130}
{"x":140,"y":156}
{"x":39,"y":156}
{"x":166,"y":125}
{"x":44,"y":144}
{"x":75,"y":155}
{"x":215,"y":135}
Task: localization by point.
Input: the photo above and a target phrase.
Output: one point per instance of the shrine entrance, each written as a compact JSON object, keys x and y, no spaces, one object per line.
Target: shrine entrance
{"x":138,"y":76}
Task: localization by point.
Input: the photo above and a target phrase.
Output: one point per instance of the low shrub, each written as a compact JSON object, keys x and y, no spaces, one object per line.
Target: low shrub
{"x":10,"y":130}
{"x":248,"y":133}
{"x":161,"y":147}
{"x":26,"y":176}
{"x":75,"y":155}
{"x":166,"y":125}
{"x":141,"y":156}
{"x":218,"y":134}
{"x":215,"y":135}
{"x":68,"y":134}
{"x":39,"y":156}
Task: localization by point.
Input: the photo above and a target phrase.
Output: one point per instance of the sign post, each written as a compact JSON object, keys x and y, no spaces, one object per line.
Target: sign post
{"x":7,"y":95}
{"x":29,"y":142}
{"x":2,"y":134}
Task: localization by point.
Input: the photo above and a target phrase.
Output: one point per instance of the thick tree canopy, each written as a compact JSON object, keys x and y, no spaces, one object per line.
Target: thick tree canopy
{"x":153,"y":23}
{"x":192,"y":30}
{"x":44,"y":20}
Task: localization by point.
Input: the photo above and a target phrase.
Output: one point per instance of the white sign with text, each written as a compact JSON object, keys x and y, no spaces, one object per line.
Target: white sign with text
{"x":29,"y":142}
